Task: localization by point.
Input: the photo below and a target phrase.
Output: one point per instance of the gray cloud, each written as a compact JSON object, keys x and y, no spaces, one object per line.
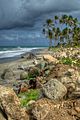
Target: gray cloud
{"x":18,"y":13}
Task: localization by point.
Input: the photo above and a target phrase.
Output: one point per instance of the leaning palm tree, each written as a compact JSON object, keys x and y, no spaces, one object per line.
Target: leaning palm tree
{"x":49,"y":22}
{"x":47,"y":30}
{"x":62,"y":28}
{"x":50,"y":36}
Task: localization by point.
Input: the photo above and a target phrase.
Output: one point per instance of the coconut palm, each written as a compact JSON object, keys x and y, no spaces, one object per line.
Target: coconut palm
{"x":76,"y":35}
{"x":64,"y":27}
{"x":50,"y":36}
{"x":49,"y":22}
{"x":56,"y":18}
{"x":47,"y":30}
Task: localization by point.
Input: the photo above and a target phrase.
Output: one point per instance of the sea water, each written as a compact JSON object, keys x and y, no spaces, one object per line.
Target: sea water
{"x":8,"y":52}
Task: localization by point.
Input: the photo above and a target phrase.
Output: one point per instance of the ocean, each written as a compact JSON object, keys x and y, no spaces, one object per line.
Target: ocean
{"x":10,"y":49}
{"x":10,"y":52}
{"x":14,"y":48}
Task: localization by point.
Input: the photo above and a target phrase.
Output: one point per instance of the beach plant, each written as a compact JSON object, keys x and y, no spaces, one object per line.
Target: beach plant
{"x":67,"y":61}
{"x":70,"y":61}
{"x":32,"y":94}
{"x":33,"y":73}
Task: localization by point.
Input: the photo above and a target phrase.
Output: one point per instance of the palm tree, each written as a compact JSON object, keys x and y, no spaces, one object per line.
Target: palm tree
{"x":47,"y":30}
{"x":50,"y":36}
{"x":64,"y":27}
{"x":49,"y":22}
{"x":56,"y":18}
{"x":76,"y":35}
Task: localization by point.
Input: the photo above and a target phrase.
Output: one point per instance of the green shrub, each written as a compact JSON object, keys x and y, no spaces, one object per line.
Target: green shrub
{"x":67,"y":61}
{"x":70,"y":61}
{"x":27,"y":96}
{"x":33,"y":73}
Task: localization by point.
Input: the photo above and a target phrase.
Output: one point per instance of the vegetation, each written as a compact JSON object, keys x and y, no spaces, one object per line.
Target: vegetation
{"x":32,"y":94}
{"x":33,"y":73}
{"x":70,"y":61}
{"x":63,"y":30}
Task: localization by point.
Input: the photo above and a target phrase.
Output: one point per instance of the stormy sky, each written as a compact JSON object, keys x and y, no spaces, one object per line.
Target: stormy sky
{"x":23,"y":19}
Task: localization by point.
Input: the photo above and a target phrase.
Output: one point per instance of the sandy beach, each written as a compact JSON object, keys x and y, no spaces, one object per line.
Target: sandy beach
{"x":16,"y":65}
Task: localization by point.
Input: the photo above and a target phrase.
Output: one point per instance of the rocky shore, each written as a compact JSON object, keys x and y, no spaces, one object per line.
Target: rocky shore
{"x":41,"y":86}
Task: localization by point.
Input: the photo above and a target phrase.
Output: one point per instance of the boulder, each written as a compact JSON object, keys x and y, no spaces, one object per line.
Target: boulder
{"x":75,"y":94}
{"x":45,"y":109}
{"x":30,"y":56}
{"x":54,"y":89}
{"x":21,"y":67}
{"x":65,"y":80}
{"x":8,"y":74}
{"x":41,"y":109}
{"x":63,"y":54}
{"x":50,"y":58}
{"x":42,"y":65}
{"x":59,"y":70}
{"x":2,"y":117}
{"x":68,"y":82}
{"x":10,"y":105}
{"x":23,"y":75}
{"x":74,"y":74}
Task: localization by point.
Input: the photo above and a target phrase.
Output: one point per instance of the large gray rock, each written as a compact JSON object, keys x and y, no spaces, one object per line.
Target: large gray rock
{"x":54,"y":89}
{"x":8,"y":74}
{"x":10,"y":104}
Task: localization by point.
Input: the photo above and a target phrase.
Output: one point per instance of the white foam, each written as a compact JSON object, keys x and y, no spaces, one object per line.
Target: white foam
{"x":14,"y":52}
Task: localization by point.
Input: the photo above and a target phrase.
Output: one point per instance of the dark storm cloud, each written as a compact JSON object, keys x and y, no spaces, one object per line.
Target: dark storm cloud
{"x":17,"y":13}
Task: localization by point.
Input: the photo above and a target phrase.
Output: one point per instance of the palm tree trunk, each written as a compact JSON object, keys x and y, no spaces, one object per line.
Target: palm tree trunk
{"x":50,"y":43}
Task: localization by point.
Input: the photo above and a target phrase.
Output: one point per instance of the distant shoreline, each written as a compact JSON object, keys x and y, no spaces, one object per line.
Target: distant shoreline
{"x":18,"y":57}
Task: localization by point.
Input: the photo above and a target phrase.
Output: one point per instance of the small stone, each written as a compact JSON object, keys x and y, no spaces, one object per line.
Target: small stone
{"x":71,"y":87}
{"x":77,"y":109}
{"x":31,"y":102}
{"x":35,"y":62}
{"x":78,"y":80}
{"x":65,"y":80}
{"x":24,"y":87}
{"x":75,"y":94}
{"x":21,"y":67}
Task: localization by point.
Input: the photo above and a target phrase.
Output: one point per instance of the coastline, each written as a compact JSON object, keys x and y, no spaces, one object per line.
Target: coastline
{"x":18,"y":57}
{"x":14,"y":64}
